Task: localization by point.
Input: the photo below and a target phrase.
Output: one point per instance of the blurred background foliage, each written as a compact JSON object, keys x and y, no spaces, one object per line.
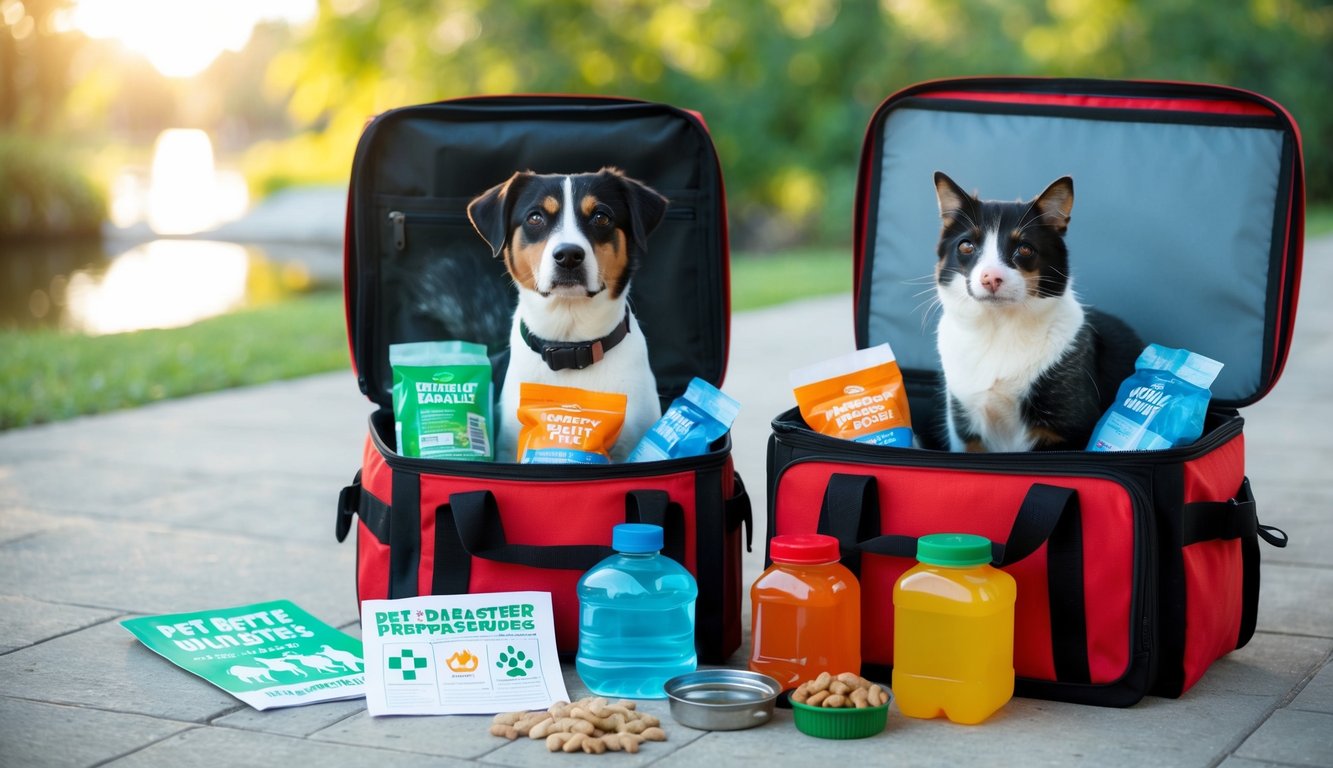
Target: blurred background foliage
{"x":787,"y":86}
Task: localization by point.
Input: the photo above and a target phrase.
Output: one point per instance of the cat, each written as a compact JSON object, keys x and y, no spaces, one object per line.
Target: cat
{"x":1026,"y":366}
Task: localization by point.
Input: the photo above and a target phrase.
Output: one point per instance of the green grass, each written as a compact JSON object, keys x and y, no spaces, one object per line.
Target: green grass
{"x":48,"y":375}
{"x":762,"y":280}
{"x":1318,"y":220}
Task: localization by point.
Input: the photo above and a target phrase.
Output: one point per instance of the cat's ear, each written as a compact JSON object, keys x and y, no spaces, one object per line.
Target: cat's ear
{"x":1055,"y":204}
{"x":951,"y":196}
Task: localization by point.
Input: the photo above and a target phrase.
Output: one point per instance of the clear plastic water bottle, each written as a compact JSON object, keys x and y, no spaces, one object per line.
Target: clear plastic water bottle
{"x":636,"y":617}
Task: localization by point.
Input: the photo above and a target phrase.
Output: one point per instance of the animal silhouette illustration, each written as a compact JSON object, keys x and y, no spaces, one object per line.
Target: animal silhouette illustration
{"x":247,"y":674}
{"x":314,"y":661}
{"x":349,"y":661}
{"x":281,"y":665}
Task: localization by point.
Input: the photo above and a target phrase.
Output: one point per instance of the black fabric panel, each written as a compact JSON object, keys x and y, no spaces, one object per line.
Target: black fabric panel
{"x":710,"y":556}
{"x":440,"y":280}
{"x":404,"y":535}
{"x":1168,"y":493}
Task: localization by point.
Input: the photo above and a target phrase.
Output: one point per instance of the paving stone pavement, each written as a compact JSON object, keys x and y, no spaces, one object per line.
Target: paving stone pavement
{"x":228,"y":498}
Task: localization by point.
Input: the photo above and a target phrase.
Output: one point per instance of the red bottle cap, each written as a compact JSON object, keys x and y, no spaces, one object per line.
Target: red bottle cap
{"x":803,"y":549}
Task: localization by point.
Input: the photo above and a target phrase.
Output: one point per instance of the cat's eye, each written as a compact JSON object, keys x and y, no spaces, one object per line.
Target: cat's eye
{"x":1024,"y":251}
{"x":966,"y":248}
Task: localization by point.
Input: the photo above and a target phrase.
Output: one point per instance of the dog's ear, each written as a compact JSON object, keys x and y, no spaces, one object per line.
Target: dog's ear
{"x":646,"y":207}
{"x":952,"y":198}
{"x":1056,"y":203}
{"x":489,"y":212}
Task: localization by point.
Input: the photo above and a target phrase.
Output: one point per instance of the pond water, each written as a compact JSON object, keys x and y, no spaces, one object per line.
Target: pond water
{"x":133,"y":281}
{"x":97,"y":287}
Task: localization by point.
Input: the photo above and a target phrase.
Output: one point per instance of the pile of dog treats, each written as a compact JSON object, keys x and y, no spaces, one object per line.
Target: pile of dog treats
{"x":846,"y":690}
{"x":592,"y":725}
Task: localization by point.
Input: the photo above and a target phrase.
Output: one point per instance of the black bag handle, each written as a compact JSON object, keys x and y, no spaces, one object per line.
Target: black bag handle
{"x":1235,"y":518}
{"x":737,"y":511}
{"x":349,"y":506}
{"x":1049,"y":514}
{"x":470,"y":526}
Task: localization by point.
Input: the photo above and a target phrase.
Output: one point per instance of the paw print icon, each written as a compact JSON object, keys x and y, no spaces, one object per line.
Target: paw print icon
{"x":513,"y":663}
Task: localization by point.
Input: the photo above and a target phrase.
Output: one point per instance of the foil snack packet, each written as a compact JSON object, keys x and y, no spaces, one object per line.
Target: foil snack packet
{"x":691,"y":423}
{"x":857,"y":397}
{"x":442,"y":407}
{"x":567,"y":425}
{"x":1161,"y":405}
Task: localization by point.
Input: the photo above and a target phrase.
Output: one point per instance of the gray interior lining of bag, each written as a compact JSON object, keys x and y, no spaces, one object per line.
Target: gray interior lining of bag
{"x":1172,"y":225}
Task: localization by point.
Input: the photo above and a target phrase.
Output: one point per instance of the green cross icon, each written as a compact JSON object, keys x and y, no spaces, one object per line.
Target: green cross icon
{"x":408,"y":663}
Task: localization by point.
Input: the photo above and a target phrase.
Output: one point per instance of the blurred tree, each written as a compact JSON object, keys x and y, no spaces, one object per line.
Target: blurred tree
{"x":788,"y":85}
{"x":34,"y":64}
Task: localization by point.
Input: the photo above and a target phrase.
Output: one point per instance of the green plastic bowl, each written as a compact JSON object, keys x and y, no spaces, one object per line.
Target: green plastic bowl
{"x":839,"y":723}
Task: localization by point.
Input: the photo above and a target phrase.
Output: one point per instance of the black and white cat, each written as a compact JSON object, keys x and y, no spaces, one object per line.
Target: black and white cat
{"x":1026,"y":366}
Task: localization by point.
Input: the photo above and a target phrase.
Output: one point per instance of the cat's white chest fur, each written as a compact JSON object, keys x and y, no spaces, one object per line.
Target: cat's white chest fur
{"x":992,"y":354}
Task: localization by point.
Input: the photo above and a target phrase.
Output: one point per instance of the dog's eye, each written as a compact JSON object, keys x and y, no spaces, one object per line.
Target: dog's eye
{"x":600,"y":219}
{"x":966,"y":248}
{"x":535,"y":219}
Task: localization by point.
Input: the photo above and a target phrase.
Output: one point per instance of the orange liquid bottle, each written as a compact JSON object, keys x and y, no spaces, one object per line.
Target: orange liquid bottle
{"x":953,"y":631}
{"x":805,"y":612}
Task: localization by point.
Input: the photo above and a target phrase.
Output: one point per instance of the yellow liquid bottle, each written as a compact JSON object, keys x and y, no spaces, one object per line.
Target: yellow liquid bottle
{"x":953,"y":631}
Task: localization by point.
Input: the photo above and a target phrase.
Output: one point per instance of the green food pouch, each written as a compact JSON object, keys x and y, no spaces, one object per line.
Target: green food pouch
{"x":442,"y":400}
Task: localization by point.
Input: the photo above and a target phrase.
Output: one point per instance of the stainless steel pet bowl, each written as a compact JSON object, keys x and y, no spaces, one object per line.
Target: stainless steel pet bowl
{"x":722,"y":699}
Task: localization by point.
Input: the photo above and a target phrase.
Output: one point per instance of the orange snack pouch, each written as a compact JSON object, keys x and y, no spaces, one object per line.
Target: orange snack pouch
{"x":567,"y":425}
{"x":857,"y":397}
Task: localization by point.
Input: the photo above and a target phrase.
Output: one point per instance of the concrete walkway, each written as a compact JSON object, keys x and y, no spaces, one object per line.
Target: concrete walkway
{"x":228,"y":498}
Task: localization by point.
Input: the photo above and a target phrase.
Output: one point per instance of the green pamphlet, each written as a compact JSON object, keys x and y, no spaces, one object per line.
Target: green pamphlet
{"x":267,"y":655}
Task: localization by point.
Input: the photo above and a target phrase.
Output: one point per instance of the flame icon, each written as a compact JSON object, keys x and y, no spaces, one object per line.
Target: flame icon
{"x":462,"y":661}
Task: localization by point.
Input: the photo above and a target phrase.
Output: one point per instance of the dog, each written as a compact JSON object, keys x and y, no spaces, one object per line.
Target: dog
{"x":571,"y":244}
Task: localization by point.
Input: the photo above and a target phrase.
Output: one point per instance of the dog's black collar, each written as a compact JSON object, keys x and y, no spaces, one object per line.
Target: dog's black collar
{"x":562,"y":355}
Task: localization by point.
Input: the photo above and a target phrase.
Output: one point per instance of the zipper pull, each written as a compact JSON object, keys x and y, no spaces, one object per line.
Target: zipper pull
{"x":399,"y":221}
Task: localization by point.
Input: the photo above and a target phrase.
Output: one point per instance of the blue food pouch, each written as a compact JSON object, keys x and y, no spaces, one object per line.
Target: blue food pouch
{"x":1161,"y":405}
{"x":691,"y":424}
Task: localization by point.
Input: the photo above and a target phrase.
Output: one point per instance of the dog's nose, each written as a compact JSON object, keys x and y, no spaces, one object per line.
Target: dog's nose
{"x":568,"y":256}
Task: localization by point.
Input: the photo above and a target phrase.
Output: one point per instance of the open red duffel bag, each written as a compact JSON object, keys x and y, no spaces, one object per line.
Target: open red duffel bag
{"x":417,"y":271}
{"x":1135,"y":570}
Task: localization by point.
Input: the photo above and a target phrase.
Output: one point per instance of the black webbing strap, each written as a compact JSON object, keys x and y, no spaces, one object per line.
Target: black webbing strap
{"x":404,"y":535}
{"x":349,"y":506}
{"x":470,"y":526}
{"x":1235,"y":518}
{"x":655,"y":507}
{"x":1052,"y":514}
{"x":738,"y":511}
{"x":1048,"y":514}
{"x":850,"y":514}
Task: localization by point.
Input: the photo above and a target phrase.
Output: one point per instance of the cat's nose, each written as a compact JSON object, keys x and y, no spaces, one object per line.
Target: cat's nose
{"x":991,"y":281}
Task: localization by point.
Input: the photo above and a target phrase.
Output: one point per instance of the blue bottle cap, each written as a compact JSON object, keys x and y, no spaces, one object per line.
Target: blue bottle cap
{"x":636,"y":538}
{"x":953,"y":550}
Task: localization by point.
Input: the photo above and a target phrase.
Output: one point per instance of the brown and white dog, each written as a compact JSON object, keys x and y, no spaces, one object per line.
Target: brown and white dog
{"x":571,"y":244}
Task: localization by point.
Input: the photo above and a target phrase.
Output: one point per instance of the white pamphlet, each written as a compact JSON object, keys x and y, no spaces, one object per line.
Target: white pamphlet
{"x":461,"y":654}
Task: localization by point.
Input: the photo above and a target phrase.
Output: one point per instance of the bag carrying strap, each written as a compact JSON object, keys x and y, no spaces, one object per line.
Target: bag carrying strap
{"x":470,"y":526}
{"x":738,"y":511}
{"x":349,"y":506}
{"x":1235,"y":518}
{"x":1048,"y":515}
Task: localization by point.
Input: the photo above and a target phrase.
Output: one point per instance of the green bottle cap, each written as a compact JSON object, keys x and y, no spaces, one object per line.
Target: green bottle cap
{"x":953,"y":550}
